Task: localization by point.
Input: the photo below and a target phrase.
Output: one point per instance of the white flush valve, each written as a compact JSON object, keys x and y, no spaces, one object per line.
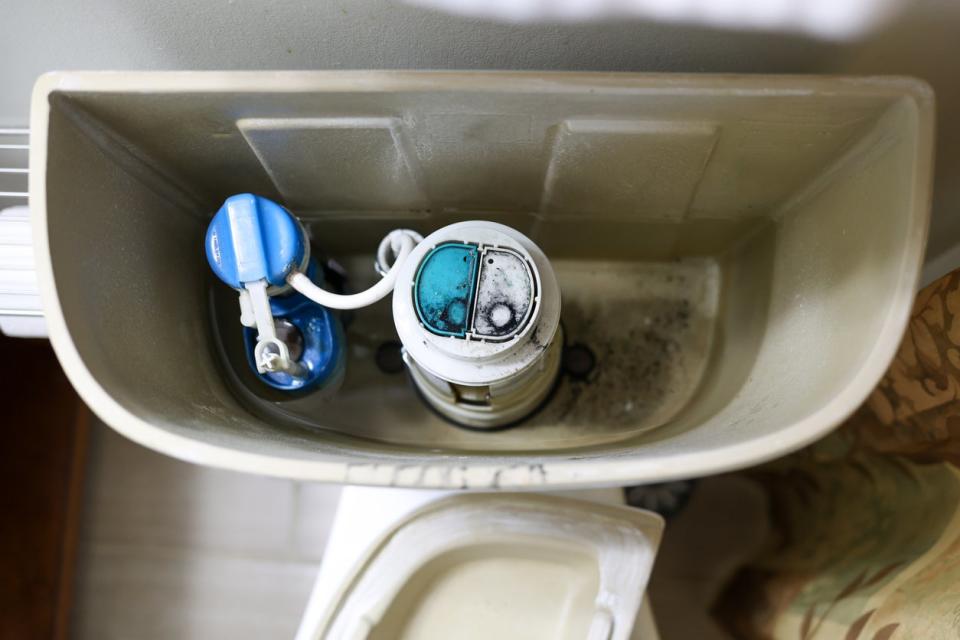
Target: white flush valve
{"x":477,"y":309}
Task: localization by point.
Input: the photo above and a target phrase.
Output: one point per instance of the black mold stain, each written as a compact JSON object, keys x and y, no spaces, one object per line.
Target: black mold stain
{"x":639,"y":359}
{"x":537,"y":340}
{"x":502,"y":291}
{"x":487,"y":310}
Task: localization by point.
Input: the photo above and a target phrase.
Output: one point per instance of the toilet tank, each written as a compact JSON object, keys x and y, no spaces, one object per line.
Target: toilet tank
{"x":739,"y":254}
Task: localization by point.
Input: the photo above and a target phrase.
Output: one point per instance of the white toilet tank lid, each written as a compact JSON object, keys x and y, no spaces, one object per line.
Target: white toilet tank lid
{"x":505,"y":566}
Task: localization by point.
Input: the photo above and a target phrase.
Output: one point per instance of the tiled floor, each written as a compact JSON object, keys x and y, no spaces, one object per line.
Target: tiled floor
{"x":722,"y":526}
{"x":173,"y":550}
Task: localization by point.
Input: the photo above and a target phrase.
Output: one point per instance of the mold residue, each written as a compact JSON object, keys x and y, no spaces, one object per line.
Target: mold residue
{"x":504,"y":295}
{"x":650,"y":337}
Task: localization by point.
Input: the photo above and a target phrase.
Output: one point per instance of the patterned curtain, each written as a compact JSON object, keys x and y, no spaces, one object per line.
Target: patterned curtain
{"x":866,"y":522}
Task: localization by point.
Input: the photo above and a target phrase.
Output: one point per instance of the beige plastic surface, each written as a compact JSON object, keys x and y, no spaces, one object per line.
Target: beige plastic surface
{"x":505,"y":566}
{"x":739,"y":251}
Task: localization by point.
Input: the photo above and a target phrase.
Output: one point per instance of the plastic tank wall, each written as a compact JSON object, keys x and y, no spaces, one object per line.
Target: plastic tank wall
{"x":43,"y":35}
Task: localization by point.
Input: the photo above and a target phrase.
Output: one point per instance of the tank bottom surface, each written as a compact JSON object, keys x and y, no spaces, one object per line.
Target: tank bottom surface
{"x":649,"y":326}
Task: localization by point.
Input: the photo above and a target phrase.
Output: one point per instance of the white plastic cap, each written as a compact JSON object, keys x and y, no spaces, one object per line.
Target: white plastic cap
{"x":476,"y":303}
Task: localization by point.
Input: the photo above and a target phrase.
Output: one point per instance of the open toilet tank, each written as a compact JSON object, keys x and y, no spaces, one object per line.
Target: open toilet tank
{"x":739,"y":253}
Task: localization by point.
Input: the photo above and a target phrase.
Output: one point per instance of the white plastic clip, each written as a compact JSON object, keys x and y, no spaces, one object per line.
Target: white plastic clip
{"x":271,"y":354}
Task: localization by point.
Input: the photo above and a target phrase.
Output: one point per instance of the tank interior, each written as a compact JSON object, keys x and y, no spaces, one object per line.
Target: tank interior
{"x":707,"y":239}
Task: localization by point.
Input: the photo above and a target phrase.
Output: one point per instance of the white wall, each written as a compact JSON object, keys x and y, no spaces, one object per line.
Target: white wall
{"x":41,"y":35}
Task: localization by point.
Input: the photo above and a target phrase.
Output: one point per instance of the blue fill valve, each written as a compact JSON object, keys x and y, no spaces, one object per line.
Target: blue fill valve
{"x":253,"y":245}
{"x":293,"y":339}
